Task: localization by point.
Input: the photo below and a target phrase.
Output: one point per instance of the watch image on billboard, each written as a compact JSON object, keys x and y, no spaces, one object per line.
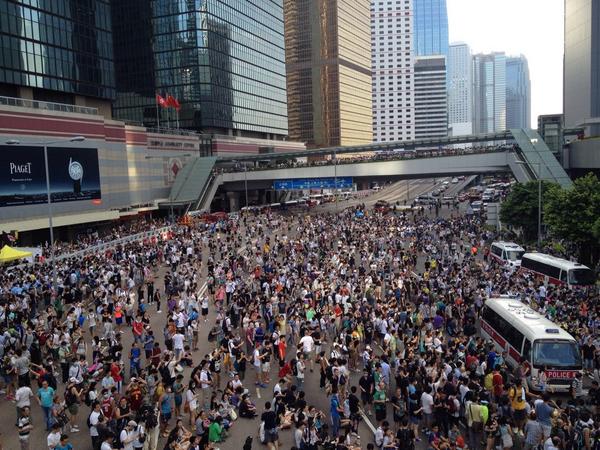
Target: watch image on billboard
{"x":74,"y":175}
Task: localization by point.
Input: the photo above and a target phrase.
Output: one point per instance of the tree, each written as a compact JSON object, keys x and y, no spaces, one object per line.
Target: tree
{"x":573,"y":214}
{"x":520,"y":209}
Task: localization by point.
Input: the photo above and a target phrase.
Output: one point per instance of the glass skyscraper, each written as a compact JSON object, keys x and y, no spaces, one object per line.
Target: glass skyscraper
{"x":489,"y":93}
{"x":56,"y":49}
{"x":224,"y":60}
{"x":430,"y":27}
{"x":518,"y":93}
{"x":328,"y":50}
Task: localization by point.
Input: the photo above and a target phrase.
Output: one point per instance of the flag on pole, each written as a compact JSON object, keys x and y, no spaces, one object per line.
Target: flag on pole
{"x":173,"y":103}
{"x":161,"y":101}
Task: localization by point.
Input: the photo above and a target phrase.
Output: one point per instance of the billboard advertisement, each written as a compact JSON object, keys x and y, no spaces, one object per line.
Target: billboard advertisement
{"x":74,"y":175}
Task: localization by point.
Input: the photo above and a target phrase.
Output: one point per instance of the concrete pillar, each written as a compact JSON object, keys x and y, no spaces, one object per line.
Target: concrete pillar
{"x":262,"y":196}
{"x":234,"y":201}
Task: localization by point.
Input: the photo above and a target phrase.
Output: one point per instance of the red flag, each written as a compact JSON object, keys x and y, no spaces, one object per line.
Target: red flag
{"x":173,"y":103}
{"x":161,"y":101}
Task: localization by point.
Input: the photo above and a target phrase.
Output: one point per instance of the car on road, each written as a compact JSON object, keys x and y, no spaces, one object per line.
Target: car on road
{"x":461,"y":177}
{"x":454,"y":180}
{"x":425,"y":200}
{"x":463,"y":197}
{"x":436,"y":192}
{"x":446,"y":183}
{"x":382,"y":206}
{"x":477,"y":206}
{"x":448,"y":198}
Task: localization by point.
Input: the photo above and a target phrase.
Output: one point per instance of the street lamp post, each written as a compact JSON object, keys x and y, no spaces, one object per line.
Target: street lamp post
{"x":49,"y":196}
{"x":539,"y":219}
{"x":246,"y":183}
{"x":335,"y":179}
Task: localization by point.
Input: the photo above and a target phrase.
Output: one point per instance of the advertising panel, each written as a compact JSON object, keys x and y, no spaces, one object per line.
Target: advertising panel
{"x":74,"y":175}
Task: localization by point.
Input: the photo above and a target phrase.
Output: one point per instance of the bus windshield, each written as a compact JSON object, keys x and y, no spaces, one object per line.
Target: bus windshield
{"x":583,"y":277}
{"x":514,"y":255}
{"x":556,"y":354}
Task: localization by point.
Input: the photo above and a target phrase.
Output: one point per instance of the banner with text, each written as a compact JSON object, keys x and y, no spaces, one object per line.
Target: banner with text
{"x":313,"y":183}
{"x":74,"y":175}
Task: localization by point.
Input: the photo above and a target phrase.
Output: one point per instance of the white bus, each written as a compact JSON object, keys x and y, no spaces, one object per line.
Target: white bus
{"x":557,"y":270}
{"x":527,"y":336}
{"x":507,"y":253}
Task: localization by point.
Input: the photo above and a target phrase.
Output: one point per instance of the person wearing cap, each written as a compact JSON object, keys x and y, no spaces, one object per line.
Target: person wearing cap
{"x":128,"y":435}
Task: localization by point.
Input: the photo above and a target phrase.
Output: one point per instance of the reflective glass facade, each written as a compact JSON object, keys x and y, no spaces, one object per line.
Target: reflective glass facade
{"x":518,"y":93}
{"x":224,"y":60}
{"x":431,"y":27}
{"x":328,"y":51}
{"x":489,"y":93}
{"x":57,"y":45}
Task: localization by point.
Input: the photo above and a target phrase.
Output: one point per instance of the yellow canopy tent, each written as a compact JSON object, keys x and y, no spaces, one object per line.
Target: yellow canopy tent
{"x":11,"y":254}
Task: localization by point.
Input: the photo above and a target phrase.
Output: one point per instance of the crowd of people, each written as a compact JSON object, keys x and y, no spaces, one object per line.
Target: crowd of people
{"x":380,"y":309}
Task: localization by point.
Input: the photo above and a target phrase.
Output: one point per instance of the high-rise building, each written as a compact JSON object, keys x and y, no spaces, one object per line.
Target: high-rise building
{"x":489,"y":93}
{"x":431,"y":104}
{"x":57,"y":51}
{"x":393,"y":71}
{"x":581,"y":86}
{"x":518,"y":93}
{"x":328,"y":64}
{"x":430,"y":26}
{"x":223,"y":60}
{"x":460,"y":89}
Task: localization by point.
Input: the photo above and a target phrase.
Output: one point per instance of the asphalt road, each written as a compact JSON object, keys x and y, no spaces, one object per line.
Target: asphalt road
{"x":242,"y":427}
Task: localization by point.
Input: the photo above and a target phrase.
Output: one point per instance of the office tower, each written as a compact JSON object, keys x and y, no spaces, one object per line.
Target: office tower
{"x":328,"y":65}
{"x":392,"y":68}
{"x":223,"y":60}
{"x":489,"y":93}
{"x":431,"y":104}
{"x":581,"y":87}
{"x":57,"y":51}
{"x":518,"y":93}
{"x":460,"y":89}
{"x":431,"y":27}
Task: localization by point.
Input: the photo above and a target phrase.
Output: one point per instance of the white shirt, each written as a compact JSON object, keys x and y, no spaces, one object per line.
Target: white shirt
{"x":106,"y":446}
{"x":126,"y":439}
{"x":53,"y":440}
{"x":94,"y":416}
{"x":23,"y":396}
{"x":427,"y":403}
{"x":178,"y":340}
{"x":308,"y":344}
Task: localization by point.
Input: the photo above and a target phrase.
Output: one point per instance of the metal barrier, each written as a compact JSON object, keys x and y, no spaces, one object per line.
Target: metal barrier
{"x":48,"y":106}
{"x":101,"y":248}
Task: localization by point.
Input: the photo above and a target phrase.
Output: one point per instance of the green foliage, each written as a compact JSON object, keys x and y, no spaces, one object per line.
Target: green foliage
{"x":520,"y":209}
{"x":574,"y":214}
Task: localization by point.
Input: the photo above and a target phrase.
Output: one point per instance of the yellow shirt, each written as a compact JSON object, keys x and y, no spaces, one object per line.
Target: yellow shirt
{"x":516,"y":398}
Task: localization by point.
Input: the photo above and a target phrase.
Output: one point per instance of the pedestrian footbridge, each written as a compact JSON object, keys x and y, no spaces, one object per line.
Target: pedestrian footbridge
{"x":520,"y":152}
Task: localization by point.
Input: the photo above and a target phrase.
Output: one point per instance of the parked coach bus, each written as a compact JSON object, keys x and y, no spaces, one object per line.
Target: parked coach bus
{"x":557,"y":270}
{"x":529,"y":337}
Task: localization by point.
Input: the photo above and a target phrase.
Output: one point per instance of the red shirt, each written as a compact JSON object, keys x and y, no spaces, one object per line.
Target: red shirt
{"x":138,"y":328}
{"x":115,"y":372}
